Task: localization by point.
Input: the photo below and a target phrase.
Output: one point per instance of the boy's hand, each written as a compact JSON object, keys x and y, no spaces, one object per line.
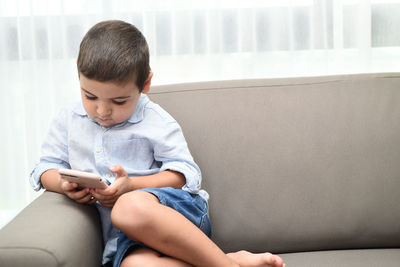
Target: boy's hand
{"x":81,"y":196}
{"x":121,"y":185}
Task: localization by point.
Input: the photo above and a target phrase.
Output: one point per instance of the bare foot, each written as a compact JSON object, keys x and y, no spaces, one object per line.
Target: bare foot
{"x":247,"y":259}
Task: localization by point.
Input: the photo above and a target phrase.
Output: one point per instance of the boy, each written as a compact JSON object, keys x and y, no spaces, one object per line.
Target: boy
{"x":154,"y":212}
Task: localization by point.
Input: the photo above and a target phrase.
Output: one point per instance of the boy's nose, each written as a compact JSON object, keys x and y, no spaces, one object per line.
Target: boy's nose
{"x":103,"y":110}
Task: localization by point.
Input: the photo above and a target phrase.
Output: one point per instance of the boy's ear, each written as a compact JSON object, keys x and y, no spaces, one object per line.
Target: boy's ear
{"x":147,"y":84}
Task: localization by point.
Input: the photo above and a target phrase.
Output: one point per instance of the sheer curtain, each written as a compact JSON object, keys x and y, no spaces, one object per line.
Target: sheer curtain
{"x":189,"y":41}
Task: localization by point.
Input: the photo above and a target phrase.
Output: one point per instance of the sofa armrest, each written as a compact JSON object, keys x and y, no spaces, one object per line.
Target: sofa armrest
{"x":52,"y":231}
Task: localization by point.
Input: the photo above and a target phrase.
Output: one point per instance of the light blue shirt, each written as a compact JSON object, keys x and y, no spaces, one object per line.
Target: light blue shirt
{"x":149,"y":142}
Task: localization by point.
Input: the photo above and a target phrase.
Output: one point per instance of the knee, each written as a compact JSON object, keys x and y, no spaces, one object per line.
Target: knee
{"x":147,"y":258}
{"x":131,"y":211}
{"x":133,"y":261}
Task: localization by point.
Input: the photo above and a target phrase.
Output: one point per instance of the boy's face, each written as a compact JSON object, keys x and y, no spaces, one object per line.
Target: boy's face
{"x":110,"y":103}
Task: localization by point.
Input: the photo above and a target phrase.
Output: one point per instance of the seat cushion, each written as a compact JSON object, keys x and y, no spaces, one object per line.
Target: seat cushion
{"x":344,"y":258}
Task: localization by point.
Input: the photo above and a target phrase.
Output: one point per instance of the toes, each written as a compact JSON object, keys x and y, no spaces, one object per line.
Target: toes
{"x":276,"y":261}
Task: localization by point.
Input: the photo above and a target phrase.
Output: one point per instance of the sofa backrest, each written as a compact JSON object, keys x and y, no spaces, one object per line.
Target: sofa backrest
{"x":296,"y":164}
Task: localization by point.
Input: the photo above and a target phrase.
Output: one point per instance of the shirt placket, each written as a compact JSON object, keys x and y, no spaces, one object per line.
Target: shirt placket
{"x":99,"y":155}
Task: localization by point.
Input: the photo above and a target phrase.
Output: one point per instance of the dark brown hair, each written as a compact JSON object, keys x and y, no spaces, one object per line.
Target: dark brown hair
{"x":116,"y":51}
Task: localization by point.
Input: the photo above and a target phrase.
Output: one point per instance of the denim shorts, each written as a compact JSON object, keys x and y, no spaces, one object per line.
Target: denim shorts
{"x":192,"y":206}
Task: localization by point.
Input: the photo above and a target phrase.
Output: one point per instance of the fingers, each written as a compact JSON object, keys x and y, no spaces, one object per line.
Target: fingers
{"x":101,"y":195}
{"x":118,"y":170}
{"x":81,"y":196}
{"x":108,"y":203}
{"x":106,"y":197}
{"x":67,"y":186}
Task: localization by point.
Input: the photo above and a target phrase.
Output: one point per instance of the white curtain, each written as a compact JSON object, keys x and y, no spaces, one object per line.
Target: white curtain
{"x":189,"y":41}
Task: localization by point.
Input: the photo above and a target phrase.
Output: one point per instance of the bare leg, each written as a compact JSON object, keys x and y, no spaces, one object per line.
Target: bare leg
{"x":149,"y":258}
{"x":141,"y":217}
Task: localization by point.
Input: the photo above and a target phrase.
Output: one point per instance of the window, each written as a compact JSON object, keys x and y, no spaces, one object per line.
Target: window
{"x":189,"y":41}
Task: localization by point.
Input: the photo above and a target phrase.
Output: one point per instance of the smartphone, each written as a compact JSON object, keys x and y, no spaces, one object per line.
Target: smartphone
{"x":83,"y":179}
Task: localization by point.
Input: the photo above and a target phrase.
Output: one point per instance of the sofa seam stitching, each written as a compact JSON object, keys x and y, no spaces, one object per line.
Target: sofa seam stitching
{"x":237,"y":87}
{"x":257,"y":86}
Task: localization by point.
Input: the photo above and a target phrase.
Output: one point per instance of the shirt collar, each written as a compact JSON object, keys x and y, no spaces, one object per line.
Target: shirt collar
{"x":136,"y":117}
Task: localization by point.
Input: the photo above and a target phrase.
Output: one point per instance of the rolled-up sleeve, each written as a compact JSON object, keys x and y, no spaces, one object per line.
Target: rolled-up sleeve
{"x":172,"y":151}
{"x":54,"y":154}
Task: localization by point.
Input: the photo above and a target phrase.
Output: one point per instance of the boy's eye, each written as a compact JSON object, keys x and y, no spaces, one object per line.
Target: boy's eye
{"x":119,"y":102}
{"x":90,"y":97}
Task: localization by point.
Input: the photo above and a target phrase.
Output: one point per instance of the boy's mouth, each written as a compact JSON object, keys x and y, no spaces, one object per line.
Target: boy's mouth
{"x":104,"y":119}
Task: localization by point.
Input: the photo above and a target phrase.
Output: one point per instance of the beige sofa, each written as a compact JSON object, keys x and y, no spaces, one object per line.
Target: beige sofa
{"x":305,"y":167}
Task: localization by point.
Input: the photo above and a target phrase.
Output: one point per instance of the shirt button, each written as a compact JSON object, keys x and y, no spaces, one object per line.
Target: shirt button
{"x":98,"y":149}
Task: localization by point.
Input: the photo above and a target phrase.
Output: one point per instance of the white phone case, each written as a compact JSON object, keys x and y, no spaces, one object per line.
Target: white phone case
{"x":83,"y":179}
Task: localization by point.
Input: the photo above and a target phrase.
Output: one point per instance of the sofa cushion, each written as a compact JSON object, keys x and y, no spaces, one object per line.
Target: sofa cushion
{"x":296,"y":164}
{"x":52,"y":231}
{"x":344,"y":258}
